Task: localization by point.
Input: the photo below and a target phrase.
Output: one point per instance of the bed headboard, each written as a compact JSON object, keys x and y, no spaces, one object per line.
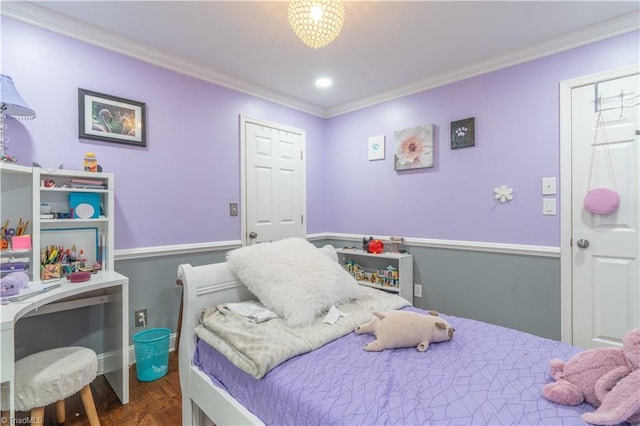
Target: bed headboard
{"x":202,"y":286}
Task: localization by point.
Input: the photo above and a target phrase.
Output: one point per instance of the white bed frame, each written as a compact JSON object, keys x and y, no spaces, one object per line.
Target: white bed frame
{"x":202,"y":401}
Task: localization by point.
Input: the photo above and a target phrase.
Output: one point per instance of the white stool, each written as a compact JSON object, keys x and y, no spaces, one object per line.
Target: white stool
{"x":51,"y":376}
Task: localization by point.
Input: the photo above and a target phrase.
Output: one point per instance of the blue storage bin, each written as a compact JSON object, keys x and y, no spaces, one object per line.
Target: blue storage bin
{"x":152,"y":353}
{"x":85,"y":205}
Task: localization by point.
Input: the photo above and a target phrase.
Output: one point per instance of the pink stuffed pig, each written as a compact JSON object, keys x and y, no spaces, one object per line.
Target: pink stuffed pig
{"x":589,"y":375}
{"x":402,"y":329}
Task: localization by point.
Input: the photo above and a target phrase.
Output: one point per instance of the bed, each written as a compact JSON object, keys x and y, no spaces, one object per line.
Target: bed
{"x":485,"y":375}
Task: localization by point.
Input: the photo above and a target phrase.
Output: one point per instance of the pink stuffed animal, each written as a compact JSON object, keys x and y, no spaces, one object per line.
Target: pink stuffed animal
{"x":621,"y":404}
{"x":620,"y":398}
{"x":589,"y":375}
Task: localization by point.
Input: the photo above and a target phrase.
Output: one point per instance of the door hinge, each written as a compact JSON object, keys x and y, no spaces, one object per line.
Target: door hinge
{"x":301,"y":155}
{"x":302,"y":219}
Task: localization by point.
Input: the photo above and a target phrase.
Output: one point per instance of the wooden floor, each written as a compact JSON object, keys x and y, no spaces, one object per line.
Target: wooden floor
{"x":150,"y":403}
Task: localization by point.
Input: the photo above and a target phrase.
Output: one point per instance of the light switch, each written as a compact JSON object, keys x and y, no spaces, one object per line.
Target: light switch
{"x":549,"y":206}
{"x":549,"y":186}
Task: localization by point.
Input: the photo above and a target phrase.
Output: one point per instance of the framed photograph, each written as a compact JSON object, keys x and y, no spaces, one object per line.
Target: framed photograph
{"x":414,"y":148}
{"x":111,"y":119}
{"x":463,"y":133}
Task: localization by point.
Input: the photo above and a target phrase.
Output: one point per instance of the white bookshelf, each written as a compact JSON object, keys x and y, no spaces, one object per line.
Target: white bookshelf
{"x":371,"y":263}
{"x":94,"y":236}
{"x":23,"y":192}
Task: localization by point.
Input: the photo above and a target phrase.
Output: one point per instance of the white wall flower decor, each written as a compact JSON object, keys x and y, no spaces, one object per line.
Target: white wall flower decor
{"x":503,"y":193}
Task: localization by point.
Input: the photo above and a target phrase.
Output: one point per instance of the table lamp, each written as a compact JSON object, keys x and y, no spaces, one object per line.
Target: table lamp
{"x":11,"y":104}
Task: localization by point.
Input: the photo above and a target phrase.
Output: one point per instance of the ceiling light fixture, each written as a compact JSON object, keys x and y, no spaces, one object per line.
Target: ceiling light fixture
{"x":323,"y":82}
{"x":316,"y":22}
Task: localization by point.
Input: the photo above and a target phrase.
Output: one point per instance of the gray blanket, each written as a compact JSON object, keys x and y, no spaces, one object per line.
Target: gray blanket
{"x":258,"y":348}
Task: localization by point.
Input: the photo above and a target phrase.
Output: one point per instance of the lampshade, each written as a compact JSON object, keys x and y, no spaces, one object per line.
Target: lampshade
{"x":11,"y":102}
{"x":316,"y":22}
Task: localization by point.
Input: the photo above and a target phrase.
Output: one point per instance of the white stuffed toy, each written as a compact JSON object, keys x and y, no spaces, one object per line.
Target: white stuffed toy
{"x":402,"y":329}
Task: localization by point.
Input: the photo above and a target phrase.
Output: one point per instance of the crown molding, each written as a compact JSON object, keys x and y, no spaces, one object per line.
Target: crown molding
{"x":52,"y":21}
{"x":49,"y":20}
{"x":617,"y":26}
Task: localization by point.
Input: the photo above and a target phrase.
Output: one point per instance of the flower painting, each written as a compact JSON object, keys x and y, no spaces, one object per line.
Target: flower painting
{"x":414,"y":148}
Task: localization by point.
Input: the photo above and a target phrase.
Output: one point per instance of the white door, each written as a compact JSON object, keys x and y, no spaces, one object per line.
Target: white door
{"x":605,"y":248}
{"x":274,"y":181}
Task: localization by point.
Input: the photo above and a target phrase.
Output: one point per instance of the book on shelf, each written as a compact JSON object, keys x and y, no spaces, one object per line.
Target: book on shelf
{"x":46,"y":216}
{"x":86,"y":186}
{"x":87,"y":181}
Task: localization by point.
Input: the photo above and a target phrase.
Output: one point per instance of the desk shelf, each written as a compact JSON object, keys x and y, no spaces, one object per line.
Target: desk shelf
{"x":53,"y":188}
{"x":25,"y":189}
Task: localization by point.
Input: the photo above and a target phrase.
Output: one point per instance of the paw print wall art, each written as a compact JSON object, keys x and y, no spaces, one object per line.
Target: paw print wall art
{"x":463,"y":133}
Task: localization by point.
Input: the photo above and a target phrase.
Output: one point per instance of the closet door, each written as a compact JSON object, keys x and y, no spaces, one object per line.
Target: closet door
{"x":605,"y":247}
{"x":274,"y":182}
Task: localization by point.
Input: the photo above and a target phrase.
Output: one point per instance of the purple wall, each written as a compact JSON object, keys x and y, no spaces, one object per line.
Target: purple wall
{"x":516,"y":112}
{"x":178,"y":189}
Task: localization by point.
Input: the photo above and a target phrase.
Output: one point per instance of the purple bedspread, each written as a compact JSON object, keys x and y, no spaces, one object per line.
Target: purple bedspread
{"x":486,"y":375}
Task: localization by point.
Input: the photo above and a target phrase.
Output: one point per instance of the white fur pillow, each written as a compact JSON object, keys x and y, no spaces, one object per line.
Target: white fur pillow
{"x":293,"y":278}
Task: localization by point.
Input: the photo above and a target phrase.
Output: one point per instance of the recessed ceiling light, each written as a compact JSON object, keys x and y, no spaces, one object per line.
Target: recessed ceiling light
{"x":323,"y":82}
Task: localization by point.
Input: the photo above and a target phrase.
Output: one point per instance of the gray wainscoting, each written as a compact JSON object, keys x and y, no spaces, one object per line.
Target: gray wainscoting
{"x":512,"y":290}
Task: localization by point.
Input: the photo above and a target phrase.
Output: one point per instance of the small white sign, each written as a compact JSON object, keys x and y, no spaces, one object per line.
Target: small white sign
{"x":376,"y":148}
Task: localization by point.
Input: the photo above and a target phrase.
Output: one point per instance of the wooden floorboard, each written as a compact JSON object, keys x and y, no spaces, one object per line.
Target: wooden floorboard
{"x":150,"y":403}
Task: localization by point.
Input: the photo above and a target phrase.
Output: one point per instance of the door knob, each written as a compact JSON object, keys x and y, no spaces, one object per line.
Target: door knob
{"x":253,"y":235}
{"x":582,"y":243}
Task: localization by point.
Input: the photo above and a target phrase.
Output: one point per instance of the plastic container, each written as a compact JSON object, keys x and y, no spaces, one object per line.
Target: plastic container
{"x":90,"y":162}
{"x":152,"y":353}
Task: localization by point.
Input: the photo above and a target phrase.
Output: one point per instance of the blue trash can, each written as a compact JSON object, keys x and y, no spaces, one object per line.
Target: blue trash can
{"x":152,"y":353}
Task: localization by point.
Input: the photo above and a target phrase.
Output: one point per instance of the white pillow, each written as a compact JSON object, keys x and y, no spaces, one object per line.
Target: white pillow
{"x":293,"y":278}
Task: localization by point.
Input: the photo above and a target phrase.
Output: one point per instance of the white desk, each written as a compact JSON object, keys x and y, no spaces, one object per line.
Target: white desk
{"x":106,"y":287}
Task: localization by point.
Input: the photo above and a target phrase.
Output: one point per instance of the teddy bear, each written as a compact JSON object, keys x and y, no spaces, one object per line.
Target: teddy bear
{"x":402,"y":329}
{"x":589,"y":375}
{"x":620,"y":398}
{"x":621,"y":404}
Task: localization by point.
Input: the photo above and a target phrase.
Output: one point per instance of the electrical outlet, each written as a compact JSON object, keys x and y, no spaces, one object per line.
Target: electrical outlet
{"x":417,"y":290}
{"x":141,"y":318}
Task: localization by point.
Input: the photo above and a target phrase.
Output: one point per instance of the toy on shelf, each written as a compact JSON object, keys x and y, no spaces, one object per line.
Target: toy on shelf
{"x":388,"y":277}
{"x":372,"y":246}
{"x":396,"y":244}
